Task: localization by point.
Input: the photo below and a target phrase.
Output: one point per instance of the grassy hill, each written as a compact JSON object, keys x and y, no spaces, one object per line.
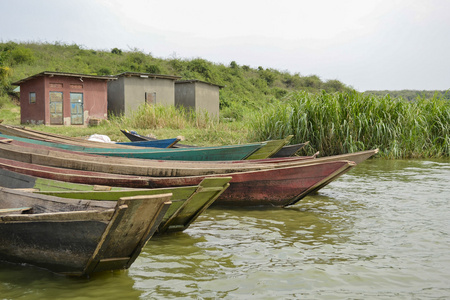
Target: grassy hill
{"x":245,"y":88}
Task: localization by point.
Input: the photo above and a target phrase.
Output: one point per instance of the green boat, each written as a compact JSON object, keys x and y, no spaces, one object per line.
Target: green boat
{"x":187,"y":202}
{"x":219,"y":153}
{"x":271,"y":148}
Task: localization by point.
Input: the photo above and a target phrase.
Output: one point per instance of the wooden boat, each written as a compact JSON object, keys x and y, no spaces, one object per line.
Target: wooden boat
{"x":289,"y":150}
{"x":188,"y":202}
{"x":222,"y":153}
{"x":13,"y":149}
{"x":270,"y":148}
{"x":133,"y":136}
{"x":165,"y":143}
{"x":283,"y":151}
{"x":272,"y":187}
{"x":24,"y":152}
{"x":76,"y":237}
{"x":265,"y":150}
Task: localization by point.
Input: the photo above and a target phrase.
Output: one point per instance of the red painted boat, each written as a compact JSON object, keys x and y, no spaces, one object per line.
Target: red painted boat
{"x":272,"y":187}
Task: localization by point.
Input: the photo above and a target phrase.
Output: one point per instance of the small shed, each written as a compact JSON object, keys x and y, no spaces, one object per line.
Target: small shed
{"x":198,"y":95}
{"x":131,"y":90}
{"x":56,"y":98}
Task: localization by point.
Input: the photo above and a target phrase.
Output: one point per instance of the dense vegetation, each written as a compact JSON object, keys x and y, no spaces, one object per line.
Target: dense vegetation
{"x":351,"y":121}
{"x":261,"y":104}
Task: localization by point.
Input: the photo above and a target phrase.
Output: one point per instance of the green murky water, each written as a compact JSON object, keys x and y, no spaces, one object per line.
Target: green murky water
{"x":382,"y":231}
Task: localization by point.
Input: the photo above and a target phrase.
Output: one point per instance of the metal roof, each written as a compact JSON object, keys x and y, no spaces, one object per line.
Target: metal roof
{"x":196,"y":80}
{"x":147,"y":75}
{"x":51,"y":74}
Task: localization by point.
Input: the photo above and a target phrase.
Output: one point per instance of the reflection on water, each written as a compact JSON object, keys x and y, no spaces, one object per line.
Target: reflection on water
{"x":380,"y":231}
{"x":27,"y":282}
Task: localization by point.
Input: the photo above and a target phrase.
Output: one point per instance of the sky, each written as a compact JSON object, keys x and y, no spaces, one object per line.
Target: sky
{"x":365,"y":44}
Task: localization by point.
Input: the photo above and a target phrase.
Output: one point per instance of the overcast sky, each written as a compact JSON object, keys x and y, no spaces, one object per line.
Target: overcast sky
{"x":366,"y":44}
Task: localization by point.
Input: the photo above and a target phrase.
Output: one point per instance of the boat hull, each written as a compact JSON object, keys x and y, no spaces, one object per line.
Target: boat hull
{"x":272,"y":187}
{"x":220,"y":153}
{"x":76,"y":237}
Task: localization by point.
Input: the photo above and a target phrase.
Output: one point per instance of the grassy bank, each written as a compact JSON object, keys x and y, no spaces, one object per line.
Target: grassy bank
{"x":158,"y":121}
{"x":348,"y":122}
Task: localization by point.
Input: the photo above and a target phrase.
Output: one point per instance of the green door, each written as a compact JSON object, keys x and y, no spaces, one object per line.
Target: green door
{"x":56,"y":108}
{"x":76,"y":109}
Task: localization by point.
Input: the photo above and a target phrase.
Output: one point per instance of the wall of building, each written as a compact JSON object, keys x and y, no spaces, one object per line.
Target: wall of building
{"x":116,"y":96}
{"x":199,"y":96}
{"x":137,"y":87}
{"x":185,"y":95}
{"x":207,"y":98}
{"x":33,"y":113}
{"x":94,"y":98}
{"x":128,"y":93}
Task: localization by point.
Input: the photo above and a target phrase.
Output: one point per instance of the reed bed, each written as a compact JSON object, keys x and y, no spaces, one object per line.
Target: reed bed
{"x":347,"y":122}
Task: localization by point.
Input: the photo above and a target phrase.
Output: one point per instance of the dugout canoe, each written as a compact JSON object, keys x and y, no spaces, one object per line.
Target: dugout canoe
{"x":133,"y":136}
{"x":220,"y":153}
{"x":164,"y":143}
{"x":188,"y":202}
{"x":272,"y":187}
{"x":283,"y":151}
{"x":76,"y":237}
{"x":43,"y":155}
{"x":25,"y":152}
{"x":266,"y":149}
{"x":272,"y":147}
{"x":289,"y":150}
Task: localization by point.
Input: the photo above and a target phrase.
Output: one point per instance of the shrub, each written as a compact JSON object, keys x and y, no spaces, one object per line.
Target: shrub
{"x":104,"y":71}
{"x":153,"y":69}
{"x":116,"y":51}
{"x":21,"y":55}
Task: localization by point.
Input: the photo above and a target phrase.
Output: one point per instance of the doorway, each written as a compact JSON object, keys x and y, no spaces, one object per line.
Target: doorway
{"x":56,"y":108}
{"x":76,"y":109}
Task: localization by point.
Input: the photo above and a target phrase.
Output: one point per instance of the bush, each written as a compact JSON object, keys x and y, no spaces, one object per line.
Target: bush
{"x":116,"y":51}
{"x":104,"y":71}
{"x":21,"y":55}
{"x":153,"y":69}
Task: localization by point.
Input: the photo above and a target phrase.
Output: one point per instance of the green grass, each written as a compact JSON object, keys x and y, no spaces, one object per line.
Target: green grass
{"x":9,"y":112}
{"x":159,"y":121}
{"x":348,"y":122}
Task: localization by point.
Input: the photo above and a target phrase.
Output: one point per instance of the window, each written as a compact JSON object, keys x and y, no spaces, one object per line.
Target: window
{"x":150,"y":98}
{"x":32,"y":97}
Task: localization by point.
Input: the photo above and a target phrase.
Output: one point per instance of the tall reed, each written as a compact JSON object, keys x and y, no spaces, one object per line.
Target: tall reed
{"x":348,"y":122}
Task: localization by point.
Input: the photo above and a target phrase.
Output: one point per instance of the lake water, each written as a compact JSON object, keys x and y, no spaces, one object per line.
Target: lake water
{"x":382,"y":231}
